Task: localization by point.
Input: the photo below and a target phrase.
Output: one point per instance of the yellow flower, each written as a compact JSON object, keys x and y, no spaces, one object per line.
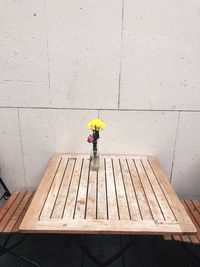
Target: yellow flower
{"x":96,"y":125}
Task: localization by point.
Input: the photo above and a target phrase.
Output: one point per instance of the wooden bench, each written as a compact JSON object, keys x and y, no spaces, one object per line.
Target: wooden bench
{"x":11,"y":216}
{"x":193,"y":209}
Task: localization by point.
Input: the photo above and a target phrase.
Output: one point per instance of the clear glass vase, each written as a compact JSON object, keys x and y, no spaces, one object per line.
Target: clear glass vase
{"x":94,"y":158}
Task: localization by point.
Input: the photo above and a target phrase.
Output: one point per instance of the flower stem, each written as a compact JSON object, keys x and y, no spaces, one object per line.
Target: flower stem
{"x":96,"y":136}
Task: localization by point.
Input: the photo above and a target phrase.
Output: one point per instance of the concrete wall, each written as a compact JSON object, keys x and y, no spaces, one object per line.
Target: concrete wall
{"x":133,"y":63}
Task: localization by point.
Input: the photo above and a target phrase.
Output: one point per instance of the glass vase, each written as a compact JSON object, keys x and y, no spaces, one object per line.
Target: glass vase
{"x":94,"y":158}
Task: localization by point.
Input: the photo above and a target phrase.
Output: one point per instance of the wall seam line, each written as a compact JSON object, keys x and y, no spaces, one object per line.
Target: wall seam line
{"x":175,"y":143}
{"x":21,"y":144}
{"x":120,"y":56}
{"x":48,"y":58}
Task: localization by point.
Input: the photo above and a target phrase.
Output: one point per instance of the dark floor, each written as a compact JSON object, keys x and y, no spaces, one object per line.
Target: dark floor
{"x":57,"y":251}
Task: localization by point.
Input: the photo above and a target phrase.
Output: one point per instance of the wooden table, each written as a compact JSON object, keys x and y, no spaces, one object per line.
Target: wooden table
{"x":128,"y":195}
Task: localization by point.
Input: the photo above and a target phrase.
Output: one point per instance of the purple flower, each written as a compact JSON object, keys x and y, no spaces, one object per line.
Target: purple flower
{"x":90,"y":139}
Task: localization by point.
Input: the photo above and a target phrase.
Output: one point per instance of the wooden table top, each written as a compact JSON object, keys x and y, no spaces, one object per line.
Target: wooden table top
{"x":128,"y":195}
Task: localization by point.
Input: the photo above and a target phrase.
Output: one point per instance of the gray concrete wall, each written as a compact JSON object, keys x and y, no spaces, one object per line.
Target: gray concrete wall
{"x":133,"y":63}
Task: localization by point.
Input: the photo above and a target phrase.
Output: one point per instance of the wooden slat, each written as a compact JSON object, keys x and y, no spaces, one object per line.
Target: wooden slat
{"x":53,"y":190}
{"x":102,"y":198}
{"x":164,"y":206}
{"x":174,"y":202}
{"x":197,"y":204}
{"x":12,"y":210}
{"x":168,"y":237}
{"x":33,"y":213}
{"x":91,"y":210}
{"x":82,"y":193}
{"x":120,"y":191}
{"x":186,"y":238}
{"x":73,"y":190}
{"x":193,"y":210}
{"x":16,"y":227}
{"x":58,"y":208}
{"x":131,"y":195}
{"x":195,"y":216}
{"x":177,"y":238}
{"x":112,"y":198}
{"x":141,"y":198}
{"x":151,"y":198}
{"x":193,"y":238}
{"x":16,"y":215}
{"x":8,"y":204}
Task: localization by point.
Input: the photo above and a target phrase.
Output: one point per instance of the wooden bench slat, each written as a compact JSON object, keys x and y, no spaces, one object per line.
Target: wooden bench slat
{"x":193,"y":237}
{"x":193,"y":209}
{"x":8,"y":204}
{"x":177,"y":237}
{"x":194,"y":215}
{"x":186,"y":238}
{"x":16,"y":215}
{"x":16,"y":227}
{"x":197,"y":204}
{"x":168,"y":237}
{"x":12,"y":210}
